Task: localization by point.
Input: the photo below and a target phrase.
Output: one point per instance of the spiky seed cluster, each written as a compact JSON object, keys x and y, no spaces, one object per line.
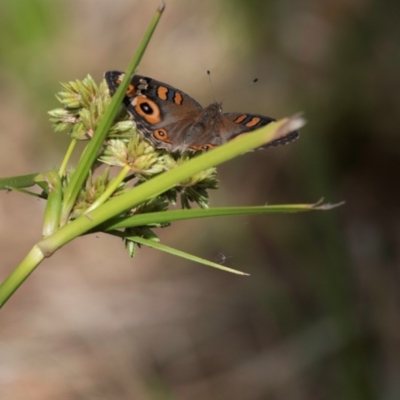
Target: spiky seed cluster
{"x":136,"y":154}
{"x":93,"y":189}
{"x":83,"y":104}
{"x":194,"y":189}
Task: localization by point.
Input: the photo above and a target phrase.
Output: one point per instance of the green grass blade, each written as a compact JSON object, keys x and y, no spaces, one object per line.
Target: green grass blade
{"x":170,"y":250}
{"x":67,"y":157}
{"x":19,"y":182}
{"x":179,"y":215}
{"x":91,"y":152}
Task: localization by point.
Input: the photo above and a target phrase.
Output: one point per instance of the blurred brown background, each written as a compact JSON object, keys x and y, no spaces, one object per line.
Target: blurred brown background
{"x":319,"y":316}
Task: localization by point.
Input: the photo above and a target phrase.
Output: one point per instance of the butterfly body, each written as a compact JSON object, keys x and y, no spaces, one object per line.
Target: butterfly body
{"x":172,"y":120}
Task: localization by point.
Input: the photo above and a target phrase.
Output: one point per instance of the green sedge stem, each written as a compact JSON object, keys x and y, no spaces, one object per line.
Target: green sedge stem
{"x":175,"y":252}
{"x":18,"y":276}
{"x":54,"y":203}
{"x":170,"y":250}
{"x":91,"y":151}
{"x":70,"y":150}
{"x":180,"y":215}
{"x":142,"y":47}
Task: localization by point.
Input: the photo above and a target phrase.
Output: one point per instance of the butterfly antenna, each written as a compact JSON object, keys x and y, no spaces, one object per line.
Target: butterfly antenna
{"x":211,"y":86}
{"x":242,"y":88}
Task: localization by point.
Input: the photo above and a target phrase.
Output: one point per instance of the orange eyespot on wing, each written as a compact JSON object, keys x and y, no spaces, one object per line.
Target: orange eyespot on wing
{"x":161,"y":135}
{"x":147,"y":109}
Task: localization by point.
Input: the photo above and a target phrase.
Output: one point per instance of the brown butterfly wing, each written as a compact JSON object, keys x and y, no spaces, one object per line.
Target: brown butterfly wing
{"x":163,"y":114}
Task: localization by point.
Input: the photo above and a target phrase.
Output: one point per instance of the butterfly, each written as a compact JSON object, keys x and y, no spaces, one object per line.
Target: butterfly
{"x":172,"y":120}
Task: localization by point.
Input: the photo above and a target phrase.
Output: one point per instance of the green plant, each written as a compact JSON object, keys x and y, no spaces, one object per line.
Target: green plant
{"x":136,"y":201}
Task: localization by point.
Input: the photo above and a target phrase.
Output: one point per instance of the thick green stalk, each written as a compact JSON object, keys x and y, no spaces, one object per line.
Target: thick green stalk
{"x":54,"y":203}
{"x":18,"y":276}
